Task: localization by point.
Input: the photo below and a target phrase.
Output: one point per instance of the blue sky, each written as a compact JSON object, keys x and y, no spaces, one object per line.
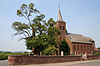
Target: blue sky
{"x":81,"y":17}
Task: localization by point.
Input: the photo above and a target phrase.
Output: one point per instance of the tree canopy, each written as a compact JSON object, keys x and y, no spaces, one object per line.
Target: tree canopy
{"x":39,"y":35}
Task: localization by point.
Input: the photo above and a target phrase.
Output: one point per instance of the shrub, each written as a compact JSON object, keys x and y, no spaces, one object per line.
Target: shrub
{"x":97,"y":53}
{"x":2,"y":57}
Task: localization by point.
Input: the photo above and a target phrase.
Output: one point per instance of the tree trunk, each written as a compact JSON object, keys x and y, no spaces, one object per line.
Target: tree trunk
{"x":33,"y":32}
{"x":32,"y":50}
{"x":58,"y":50}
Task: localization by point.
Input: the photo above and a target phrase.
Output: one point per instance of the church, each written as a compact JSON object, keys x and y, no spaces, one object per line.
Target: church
{"x":78,"y":44}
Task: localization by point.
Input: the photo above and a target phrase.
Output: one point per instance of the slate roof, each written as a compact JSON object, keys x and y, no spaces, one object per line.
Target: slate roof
{"x":79,"y":38}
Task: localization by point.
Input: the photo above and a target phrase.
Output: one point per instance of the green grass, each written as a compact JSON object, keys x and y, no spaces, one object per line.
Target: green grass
{"x":4,"y":56}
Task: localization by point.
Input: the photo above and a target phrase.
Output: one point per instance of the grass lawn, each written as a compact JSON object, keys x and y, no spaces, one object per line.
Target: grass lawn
{"x":4,"y":56}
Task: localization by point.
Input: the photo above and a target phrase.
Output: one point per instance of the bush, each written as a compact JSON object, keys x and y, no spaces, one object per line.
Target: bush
{"x":50,"y":50}
{"x":3,"y":57}
{"x":97,"y":53}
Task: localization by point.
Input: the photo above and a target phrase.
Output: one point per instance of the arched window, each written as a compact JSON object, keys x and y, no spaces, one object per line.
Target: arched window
{"x":84,"y":47}
{"x":77,"y":47}
{"x":88,"y":47}
{"x":63,"y":28}
{"x":60,"y":27}
{"x":74,"y":47}
{"x":81,"y":47}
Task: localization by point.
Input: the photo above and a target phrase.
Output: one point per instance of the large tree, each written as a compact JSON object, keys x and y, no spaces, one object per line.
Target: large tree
{"x":28,"y":30}
{"x":39,"y":35}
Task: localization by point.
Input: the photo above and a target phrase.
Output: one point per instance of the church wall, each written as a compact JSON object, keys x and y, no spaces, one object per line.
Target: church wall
{"x":76,"y":48}
{"x":79,"y":48}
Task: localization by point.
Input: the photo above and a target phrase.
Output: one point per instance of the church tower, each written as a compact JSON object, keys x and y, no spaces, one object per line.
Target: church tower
{"x":61,"y":25}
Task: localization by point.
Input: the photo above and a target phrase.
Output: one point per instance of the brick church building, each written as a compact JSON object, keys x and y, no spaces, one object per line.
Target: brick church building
{"x":78,"y":44}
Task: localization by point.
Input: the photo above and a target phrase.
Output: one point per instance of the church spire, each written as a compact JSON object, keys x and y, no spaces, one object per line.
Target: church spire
{"x":59,"y":16}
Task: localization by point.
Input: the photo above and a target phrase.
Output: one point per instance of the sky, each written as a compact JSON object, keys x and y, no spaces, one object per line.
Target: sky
{"x":81,"y":17}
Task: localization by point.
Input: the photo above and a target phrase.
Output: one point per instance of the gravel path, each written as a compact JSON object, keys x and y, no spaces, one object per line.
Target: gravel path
{"x":78,"y":63}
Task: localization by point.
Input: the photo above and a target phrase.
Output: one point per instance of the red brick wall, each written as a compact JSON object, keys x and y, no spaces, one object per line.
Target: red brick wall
{"x":87,"y":49}
{"x":17,"y":60}
{"x":63,"y":32}
{"x":24,"y":60}
{"x":90,"y":57}
{"x":72,"y":50}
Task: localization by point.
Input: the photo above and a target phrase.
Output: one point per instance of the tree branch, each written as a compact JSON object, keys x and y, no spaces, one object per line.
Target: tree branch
{"x":26,"y":33}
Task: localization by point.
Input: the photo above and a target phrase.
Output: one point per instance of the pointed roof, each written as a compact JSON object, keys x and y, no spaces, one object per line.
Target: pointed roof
{"x":59,"y":16}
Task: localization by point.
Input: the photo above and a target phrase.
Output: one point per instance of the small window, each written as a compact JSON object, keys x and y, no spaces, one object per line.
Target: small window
{"x":63,"y":28}
{"x":77,"y":47}
{"x":74,"y":47}
{"x":88,"y":47}
{"x":60,"y":27}
{"x":81,"y":47}
{"x":84,"y":47}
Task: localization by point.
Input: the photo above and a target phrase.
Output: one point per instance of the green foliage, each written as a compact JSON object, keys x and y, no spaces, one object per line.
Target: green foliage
{"x":50,"y":50}
{"x":4,"y":56}
{"x":64,"y":47}
{"x":98,"y":48}
{"x":52,"y":31}
{"x":21,"y":28}
{"x":18,"y":26}
{"x":27,"y":10}
{"x":37,"y":41}
{"x":97,"y":53}
{"x":46,"y":35}
{"x":38,"y":33}
{"x":51,"y":22}
{"x":40,"y":24}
